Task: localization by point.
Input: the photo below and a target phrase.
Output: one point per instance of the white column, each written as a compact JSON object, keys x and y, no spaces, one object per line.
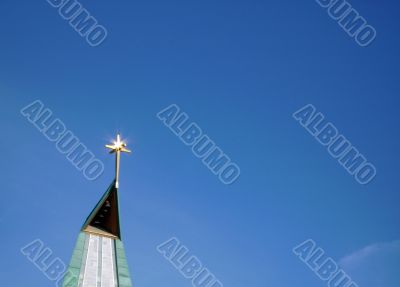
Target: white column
{"x":108,"y":268}
{"x":92,"y":262}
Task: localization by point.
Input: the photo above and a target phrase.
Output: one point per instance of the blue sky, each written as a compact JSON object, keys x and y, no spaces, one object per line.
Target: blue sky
{"x":239,"y":69}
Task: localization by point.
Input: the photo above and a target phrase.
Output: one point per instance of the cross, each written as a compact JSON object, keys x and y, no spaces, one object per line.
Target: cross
{"x":117,"y":147}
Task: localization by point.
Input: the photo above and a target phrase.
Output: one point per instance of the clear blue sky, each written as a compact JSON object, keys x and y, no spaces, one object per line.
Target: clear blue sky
{"x":237,"y":68}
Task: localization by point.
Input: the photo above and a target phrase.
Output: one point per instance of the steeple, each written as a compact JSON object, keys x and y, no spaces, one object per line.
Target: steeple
{"x":98,"y":259}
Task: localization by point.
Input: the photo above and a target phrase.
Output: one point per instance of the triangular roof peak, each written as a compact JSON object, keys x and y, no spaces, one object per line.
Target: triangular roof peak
{"x":104,"y":218}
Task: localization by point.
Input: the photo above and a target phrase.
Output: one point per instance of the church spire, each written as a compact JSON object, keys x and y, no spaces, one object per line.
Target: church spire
{"x":99,"y":255}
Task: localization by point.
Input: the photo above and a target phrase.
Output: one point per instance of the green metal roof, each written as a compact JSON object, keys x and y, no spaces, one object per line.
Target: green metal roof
{"x":99,"y":256}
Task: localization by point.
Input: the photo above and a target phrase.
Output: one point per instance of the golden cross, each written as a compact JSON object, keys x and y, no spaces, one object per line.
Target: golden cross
{"x":118,"y":146}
